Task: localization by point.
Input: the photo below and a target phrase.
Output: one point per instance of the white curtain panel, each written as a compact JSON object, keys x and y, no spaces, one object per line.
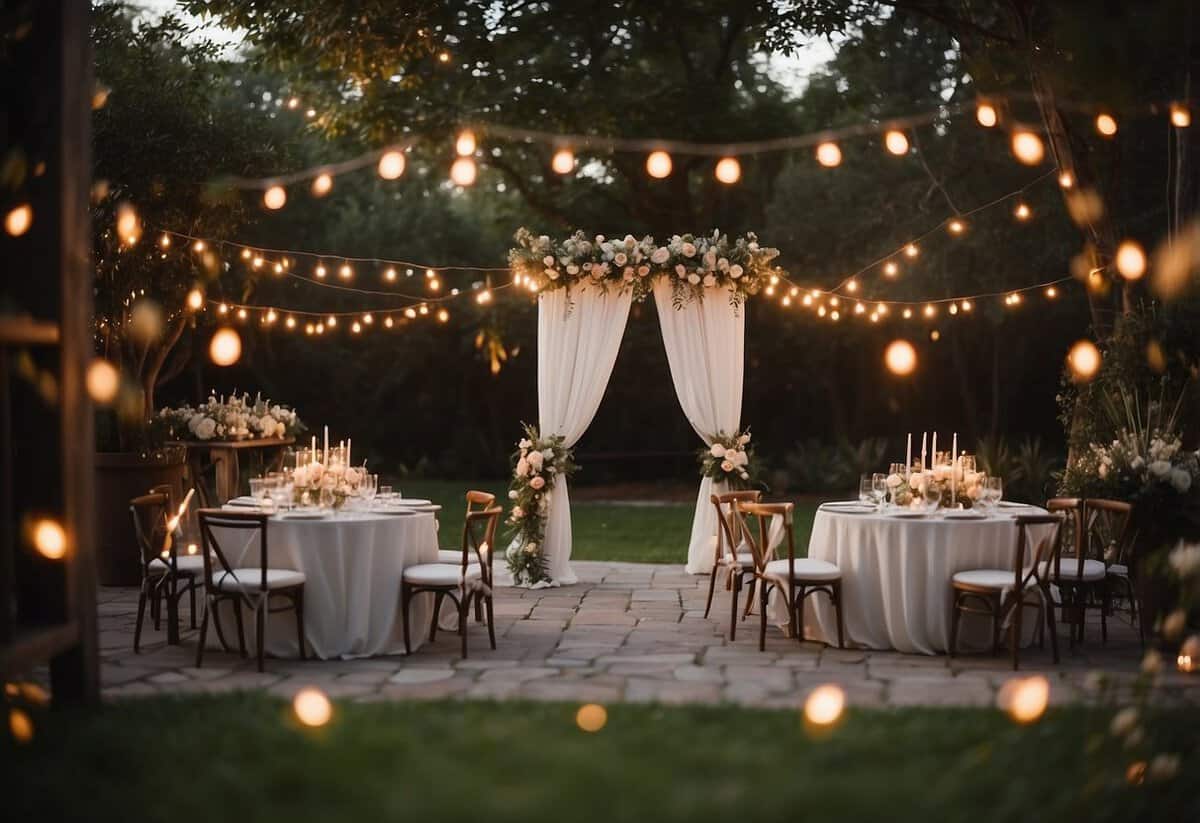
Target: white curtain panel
{"x":579,"y":335}
{"x":705,"y":342}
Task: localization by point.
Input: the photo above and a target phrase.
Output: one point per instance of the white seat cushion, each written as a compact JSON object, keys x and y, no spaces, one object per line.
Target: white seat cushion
{"x":1118,"y":570}
{"x":1068,"y":569}
{"x":449,"y":556}
{"x":192,"y":563}
{"x":806,"y":568}
{"x":987,"y":578}
{"x":242,"y":580}
{"x":744,"y":559}
{"x":439,"y":574}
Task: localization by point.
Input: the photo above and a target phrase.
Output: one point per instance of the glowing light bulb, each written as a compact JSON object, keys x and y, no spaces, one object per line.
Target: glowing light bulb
{"x":956,"y":226}
{"x":728,"y":170}
{"x":275,"y":197}
{"x":1066,"y":180}
{"x":103,"y":380}
{"x":1131,"y":260}
{"x":246,"y":254}
{"x":966,"y":305}
{"x":852,"y":286}
{"x":331,"y":321}
{"x":890,"y":269}
{"x":129,"y":226}
{"x":368,"y":318}
{"x":1028,"y":148}
{"x":195,"y":299}
{"x":355,"y":327}
{"x":388,"y":322}
{"x":896,"y":142}
{"x":829,"y":155}
{"x":271,"y":316}
{"x":391,"y":164}
{"x":290,"y":322}
{"x":563,"y":161}
{"x":443,"y":57}
{"x":900,"y":358}
{"x":1051,"y":292}
{"x":484,"y":297}
{"x":658,"y":164}
{"x":443,"y":316}
{"x":258,"y":262}
{"x":320,"y":271}
{"x":390,"y":275}
{"x":1181,"y":116}
{"x":165,"y":241}
{"x":953,"y":309}
{"x":423,"y":309}
{"x":985,"y":114}
{"x":463,"y":171}
{"x":226,"y":347}
{"x":293,"y":103}
{"x":465,"y":144}
{"x":241,"y":313}
{"x":1022,"y":212}
{"x":911,"y":250}
{"x":322,"y":184}
{"x":345,"y":272}
{"x":907,"y":314}
{"x":1106,"y":124}
{"x":434,"y":284}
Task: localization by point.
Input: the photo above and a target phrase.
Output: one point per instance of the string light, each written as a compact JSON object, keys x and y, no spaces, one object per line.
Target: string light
{"x":388,"y":322}
{"x":443,"y":316}
{"x":1181,"y":116}
{"x":195,"y":299}
{"x":222,"y":309}
{"x":246,"y":254}
{"x":852,"y":286}
{"x":1022,"y":212}
{"x":1066,"y":180}
{"x":1131,"y":260}
{"x":322,"y":184}
{"x":345,"y":271}
{"x":290,"y":322}
{"x":275,"y":197}
{"x":465,"y":144}
{"x":907,"y":314}
{"x":463,"y":171}
{"x":829,"y":155}
{"x":434,"y":284}
{"x":930,"y":310}
{"x":320,"y":271}
{"x":391,"y":164}
{"x":563,"y":161}
{"x":129,"y":225}
{"x":390,"y":275}
{"x":331,"y":321}
{"x":1051,"y":292}
{"x":890,"y":269}
{"x":199,"y":246}
{"x":241,"y":313}
{"x":658,"y":164}
{"x":911,"y":250}
{"x":896,"y":142}
{"x":728,"y":170}
{"x":225,"y":347}
{"x":1106,"y":124}
{"x":956,"y":226}
{"x":985,"y":114}
{"x":484,"y":297}
{"x":1027,"y":147}
{"x":368,"y":319}
{"x":966,"y":305}
{"x":953,"y":309}
{"x":164,"y":241}
{"x":355,"y":327}
{"x":270,"y":316}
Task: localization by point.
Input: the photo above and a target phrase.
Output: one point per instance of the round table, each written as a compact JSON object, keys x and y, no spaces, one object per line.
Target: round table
{"x":896,"y":576}
{"x":352,"y":563}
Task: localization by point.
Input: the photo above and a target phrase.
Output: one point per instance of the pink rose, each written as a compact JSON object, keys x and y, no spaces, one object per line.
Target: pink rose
{"x":537,"y":482}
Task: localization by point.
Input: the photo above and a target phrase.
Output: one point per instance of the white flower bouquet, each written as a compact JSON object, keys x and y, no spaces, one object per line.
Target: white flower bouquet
{"x":235,"y":418}
{"x":955,"y":486}
{"x":538,"y":463}
{"x":729,"y":460}
{"x":313,"y":482}
{"x":1133,"y":467}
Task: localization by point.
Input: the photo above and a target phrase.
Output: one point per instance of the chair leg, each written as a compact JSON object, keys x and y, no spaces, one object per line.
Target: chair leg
{"x":137,"y":630}
{"x":997,"y":611}
{"x":795,"y":624}
{"x":837,"y":605}
{"x":192,"y":602}
{"x":155,"y":607}
{"x":260,"y":630}
{"x":1050,"y":623}
{"x":237,"y":613}
{"x":298,"y":603}
{"x":491,"y":622}
{"x":437,"y":610}
{"x":478,"y":610}
{"x":762,"y":616}
{"x":1105,"y":606}
{"x":464,"y":611}
{"x":404,"y":616}
{"x":712,"y":585}
{"x":1014,"y":640}
{"x":750,"y":597}
{"x":203,"y":635}
{"x":955,"y":617}
{"x":798,"y":611}
{"x":733,"y":604}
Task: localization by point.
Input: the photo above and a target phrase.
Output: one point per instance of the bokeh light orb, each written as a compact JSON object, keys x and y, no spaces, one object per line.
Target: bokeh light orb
{"x":658,"y":164}
{"x":591,"y":717}
{"x":226,"y":347}
{"x":1084,"y":361}
{"x":312,"y":707}
{"x":829,"y":155}
{"x":103,"y":381}
{"x":728,"y":170}
{"x":391,"y":165}
{"x":825,"y":705}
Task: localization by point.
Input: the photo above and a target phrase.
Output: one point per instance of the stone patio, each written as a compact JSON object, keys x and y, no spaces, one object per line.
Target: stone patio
{"x":627,"y":632}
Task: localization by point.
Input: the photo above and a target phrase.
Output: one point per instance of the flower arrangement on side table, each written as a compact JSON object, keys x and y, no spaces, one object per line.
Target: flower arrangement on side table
{"x":729,"y":460}
{"x":538,"y":463}
{"x":236,"y":418}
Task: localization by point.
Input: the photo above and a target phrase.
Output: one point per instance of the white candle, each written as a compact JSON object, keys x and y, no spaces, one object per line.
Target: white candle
{"x":924,"y":436}
{"x":954,"y":471}
{"x":908,"y":458}
{"x":349,"y":462}
{"x":934,"y":455}
{"x":325,"y":459}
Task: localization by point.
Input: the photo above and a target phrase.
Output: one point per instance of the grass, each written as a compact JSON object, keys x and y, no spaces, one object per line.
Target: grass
{"x":600,"y":531}
{"x":243,"y":757}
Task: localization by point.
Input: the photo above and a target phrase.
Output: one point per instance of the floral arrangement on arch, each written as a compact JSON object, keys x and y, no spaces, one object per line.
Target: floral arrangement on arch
{"x":236,"y":418}
{"x":729,"y":460}
{"x":537,"y":465}
{"x":693,"y":262}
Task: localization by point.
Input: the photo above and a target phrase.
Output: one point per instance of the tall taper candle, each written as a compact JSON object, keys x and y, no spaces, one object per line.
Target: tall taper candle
{"x":349,"y":462}
{"x":933,"y":456}
{"x":908,"y":458}
{"x":325,"y":458}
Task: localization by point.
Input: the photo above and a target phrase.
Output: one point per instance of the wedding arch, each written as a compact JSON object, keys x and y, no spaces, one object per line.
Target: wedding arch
{"x":585,"y":288}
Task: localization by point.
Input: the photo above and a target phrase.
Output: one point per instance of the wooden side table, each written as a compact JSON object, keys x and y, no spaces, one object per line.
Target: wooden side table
{"x":223,"y":457}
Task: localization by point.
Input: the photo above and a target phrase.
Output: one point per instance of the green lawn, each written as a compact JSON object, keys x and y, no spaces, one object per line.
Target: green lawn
{"x":243,"y":758}
{"x":600,"y":531}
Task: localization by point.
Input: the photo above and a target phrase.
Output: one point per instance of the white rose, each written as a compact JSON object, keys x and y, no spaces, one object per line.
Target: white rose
{"x":572,"y":269}
{"x":689,"y":250}
{"x":717,"y":450}
{"x":894,"y":481}
{"x":548,"y":261}
{"x":1160,"y":468}
{"x":660,"y":255}
{"x":524,"y":443}
{"x":517,"y":513}
{"x":1181,"y":480}
{"x":512,"y":494}
{"x":723,"y":264}
{"x":206,"y":428}
{"x":735,"y":271}
{"x":709,"y":280}
{"x":693,"y":278}
{"x":726,"y":466}
{"x":535,"y":460}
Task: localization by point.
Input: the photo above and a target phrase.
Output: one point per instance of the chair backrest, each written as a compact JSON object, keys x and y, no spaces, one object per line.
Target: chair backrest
{"x":479,"y":540}
{"x":1030,"y":554}
{"x":759,"y":538}
{"x":1073,"y":542}
{"x":477,"y":501}
{"x":730,"y":527}
{"x":230,"y":523}
{"x":1110,"y":531}
{"x":149,"y":514}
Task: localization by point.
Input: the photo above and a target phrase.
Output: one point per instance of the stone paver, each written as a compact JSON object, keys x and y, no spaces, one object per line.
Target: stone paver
{"x":626,"y":632}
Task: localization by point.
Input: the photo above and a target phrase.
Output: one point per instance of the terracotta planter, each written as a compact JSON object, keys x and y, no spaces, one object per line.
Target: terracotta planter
{"x":120,"y":477}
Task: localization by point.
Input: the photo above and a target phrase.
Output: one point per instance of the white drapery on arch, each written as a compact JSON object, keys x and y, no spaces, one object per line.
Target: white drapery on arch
{"x":705,"y":343}
{"x":579,"y":335}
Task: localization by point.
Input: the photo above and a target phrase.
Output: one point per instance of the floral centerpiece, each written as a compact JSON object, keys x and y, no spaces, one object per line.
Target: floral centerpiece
{"x":729,"y":460}
{"x":693,"y":262}
{"x":316,"y":484}
{"x":235,"y":418}
{"x":954,"y":485}
{"x":538,"y":463}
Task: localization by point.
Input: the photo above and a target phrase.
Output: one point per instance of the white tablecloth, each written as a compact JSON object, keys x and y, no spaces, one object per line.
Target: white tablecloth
{"x":896,"y":577}
{"x":352,"y":564}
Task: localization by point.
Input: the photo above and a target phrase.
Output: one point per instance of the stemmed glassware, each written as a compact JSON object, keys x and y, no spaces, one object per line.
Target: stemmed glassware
{"x":994,"y":489}
{"x":931,"y":497}
{"x":866,"y":489}
{"x":879,"y":489}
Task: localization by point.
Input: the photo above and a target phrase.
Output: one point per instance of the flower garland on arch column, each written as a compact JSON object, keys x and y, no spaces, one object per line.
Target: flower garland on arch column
{"x":538,"y":463}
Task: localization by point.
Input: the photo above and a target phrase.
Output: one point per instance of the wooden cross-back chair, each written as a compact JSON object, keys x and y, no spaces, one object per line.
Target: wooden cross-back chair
{"x":1001,"y":592}
{"x":476,"y":501}
{"x":732,"y":556}
{"x":466,"y":582}
{"x":242,"y":584}
{"x":163,"y":571}
{"x":794,"y":577}
{"x":1078,"y":570}
{"x":1110,"y":535}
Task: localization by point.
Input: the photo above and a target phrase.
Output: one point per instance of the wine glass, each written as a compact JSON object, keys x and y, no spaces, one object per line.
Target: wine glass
{"x":385,"y":492}
{"x":879,"y":488}
{"x":931,"y":496}
{"x":968,"y":463}
{"x":995,"y":490}
{"x":866,"y":489}
{"x":369,"y":488}
{"x":258,"y":489}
